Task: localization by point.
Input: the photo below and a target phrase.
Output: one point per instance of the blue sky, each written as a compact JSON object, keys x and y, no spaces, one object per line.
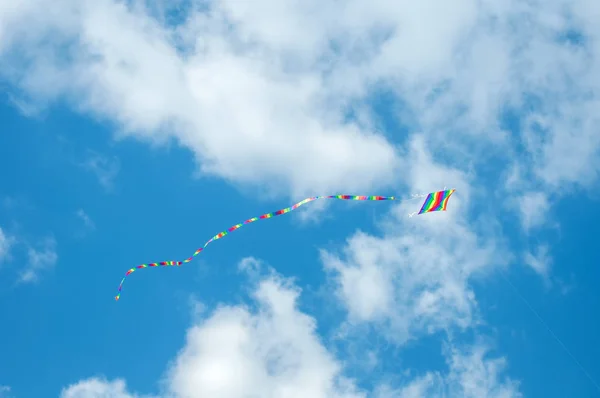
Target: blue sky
{"x":126,"y":140}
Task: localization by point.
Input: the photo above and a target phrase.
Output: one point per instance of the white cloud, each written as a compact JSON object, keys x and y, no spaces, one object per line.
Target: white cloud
{"x":39,"y":260}
{"x":85,"y":218}
{"x":25,"y":108}
{"x":6,"y":242}
{"x":273,"y":351}
{"x":98,"y":388}
{"x":262,"y":97}
{"x":197,"y":307}
{"x":105,"y":169}
{"x":539,"y":260}
{"x":533,"y":207}
{"x":415,"y":278}
{"x":366,"y":288}
{"x":250,"y":266}
{"x":245,"y":118}
{"x":471,"y":374}
{"x":5,"y":392}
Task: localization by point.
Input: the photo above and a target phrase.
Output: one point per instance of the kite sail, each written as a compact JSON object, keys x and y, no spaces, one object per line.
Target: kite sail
{"x":436,"y":201}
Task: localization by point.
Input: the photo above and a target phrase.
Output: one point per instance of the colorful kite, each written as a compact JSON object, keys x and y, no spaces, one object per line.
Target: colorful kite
{"x":436,"y":201}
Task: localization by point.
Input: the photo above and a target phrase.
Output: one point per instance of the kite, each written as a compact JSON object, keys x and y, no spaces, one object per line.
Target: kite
{"x":435,"y":201}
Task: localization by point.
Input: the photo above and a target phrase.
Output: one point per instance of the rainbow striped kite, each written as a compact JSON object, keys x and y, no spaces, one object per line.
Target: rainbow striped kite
{"x":435,"y":201}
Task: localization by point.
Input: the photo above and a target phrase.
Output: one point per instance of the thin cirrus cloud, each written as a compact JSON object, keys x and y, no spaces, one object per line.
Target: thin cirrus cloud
{"x":40,"y":257}
{"x":85,"y":219}
{"x":104,"y":168}
{"x":6,"y":242}
{"x":5,"y":392}
{"x":39,"y":260}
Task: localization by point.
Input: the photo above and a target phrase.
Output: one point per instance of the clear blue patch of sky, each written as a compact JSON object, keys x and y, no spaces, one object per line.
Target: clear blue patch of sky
{"x":534,"y":356}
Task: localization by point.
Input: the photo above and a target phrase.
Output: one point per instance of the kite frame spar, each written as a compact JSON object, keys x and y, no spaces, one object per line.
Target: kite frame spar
{"x":435,"y":201}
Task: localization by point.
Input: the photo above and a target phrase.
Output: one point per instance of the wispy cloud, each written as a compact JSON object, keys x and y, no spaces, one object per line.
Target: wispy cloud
{"x":105,"y":169}
{"x":87,"y":221}
{"x":5,"y":392}
{"x":532,"y":207}
{"x":39,"y":260}
{"x":6,"y":242}
{"x":251,"y":266}
{"x":471,"y":374}
{"x":539,"y":260}
{"x":98,"y":387}
{"x":25,"y":107}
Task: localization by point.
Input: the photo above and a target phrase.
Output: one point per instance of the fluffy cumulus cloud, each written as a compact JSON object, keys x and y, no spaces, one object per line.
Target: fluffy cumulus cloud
{"x":415,"y":278}
{"x":273,"y":351}
{"x":255,"y":94}
{"x":238,"y":108}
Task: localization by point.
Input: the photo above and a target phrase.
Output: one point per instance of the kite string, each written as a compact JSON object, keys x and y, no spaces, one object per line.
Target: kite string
{"x":267,"y":215}
{"x":558,"y":340}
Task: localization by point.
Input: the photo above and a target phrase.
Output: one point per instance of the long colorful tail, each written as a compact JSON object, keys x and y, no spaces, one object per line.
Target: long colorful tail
{"x":269,"y":215}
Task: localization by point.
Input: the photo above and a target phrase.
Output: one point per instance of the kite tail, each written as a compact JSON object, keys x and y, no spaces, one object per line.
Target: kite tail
{"x":163,"y":264}
{"x":251,"y":220}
